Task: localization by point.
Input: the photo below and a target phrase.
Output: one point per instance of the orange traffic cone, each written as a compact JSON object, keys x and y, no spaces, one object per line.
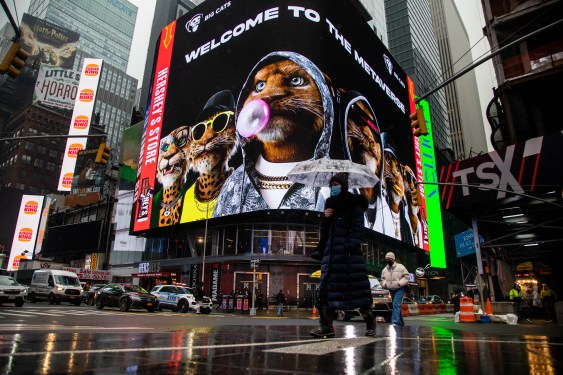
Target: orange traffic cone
{"x":489,"y":308}
{"x":314,"y":311}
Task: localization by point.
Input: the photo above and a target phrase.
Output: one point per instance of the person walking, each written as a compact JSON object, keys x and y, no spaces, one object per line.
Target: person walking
{"x":394,"y":277}
{"x":527,"y":311}
{"x":198,"y":297}
{"x":280,"y":299}
{"x":344,"y":283}
{"x":548,"y":298}
{"x":259,"y":299}
{"x":515,"y":296}
{"x":536,"y":302}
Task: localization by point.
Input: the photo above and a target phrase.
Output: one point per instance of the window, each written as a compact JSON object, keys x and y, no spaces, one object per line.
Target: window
{"x":38,"y":163}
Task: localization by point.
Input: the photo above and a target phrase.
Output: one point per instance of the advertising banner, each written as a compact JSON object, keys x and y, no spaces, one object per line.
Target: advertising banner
{"x":524,"y":168}
{"x":81,"y":117}
{"x":245,"y":90}
{"x":88,"y":177}
{"x":48,"y":43}
{"x":26,"y":230}
{"x":56,"y":87}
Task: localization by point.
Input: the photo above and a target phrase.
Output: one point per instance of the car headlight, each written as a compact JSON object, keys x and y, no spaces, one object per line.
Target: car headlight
{"x":59,"y":289}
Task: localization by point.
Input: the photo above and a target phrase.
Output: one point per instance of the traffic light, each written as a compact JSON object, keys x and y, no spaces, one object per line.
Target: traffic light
{"x":102,"y":157}
{"x":14,"y":60}
{"x":418,"y":123}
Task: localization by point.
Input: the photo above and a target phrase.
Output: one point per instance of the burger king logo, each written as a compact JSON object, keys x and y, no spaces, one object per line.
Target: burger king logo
{"x":92,"y":70}
{"x":16,"y":262}
{"x":86,"y":95}
{"x":81,"y":122}
{"x":30,"y":207}
{"x":67,"y":180}
{"x":73,"y":150}
{"x":25,"y":235}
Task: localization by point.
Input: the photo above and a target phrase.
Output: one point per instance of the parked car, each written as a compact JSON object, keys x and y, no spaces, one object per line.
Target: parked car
{"x":174,"y":297}
{"x":12,"y":292}
{"x":430,"y":299}
{"x":125,"y":296}
{"x":206,"y":304}
{"x":88,"y":296}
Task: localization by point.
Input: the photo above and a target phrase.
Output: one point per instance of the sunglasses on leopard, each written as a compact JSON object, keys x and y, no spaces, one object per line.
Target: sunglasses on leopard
{"x":218,"y":123}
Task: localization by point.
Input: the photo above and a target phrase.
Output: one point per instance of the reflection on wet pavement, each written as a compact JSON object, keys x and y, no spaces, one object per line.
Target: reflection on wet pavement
{"x":279,"y":349}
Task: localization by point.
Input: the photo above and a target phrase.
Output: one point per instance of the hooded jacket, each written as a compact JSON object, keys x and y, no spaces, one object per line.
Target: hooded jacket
{"x":344,"y":281}
{"x":240,"y":192}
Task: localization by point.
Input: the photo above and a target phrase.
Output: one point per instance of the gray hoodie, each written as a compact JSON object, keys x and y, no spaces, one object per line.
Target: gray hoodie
{"x":240,"y":193}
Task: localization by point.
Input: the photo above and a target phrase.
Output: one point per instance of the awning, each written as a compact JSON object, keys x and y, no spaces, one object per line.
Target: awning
{"x":154,"y":274}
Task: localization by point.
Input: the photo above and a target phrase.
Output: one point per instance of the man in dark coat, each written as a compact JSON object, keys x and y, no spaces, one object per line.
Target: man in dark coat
{"x":344,"y":283}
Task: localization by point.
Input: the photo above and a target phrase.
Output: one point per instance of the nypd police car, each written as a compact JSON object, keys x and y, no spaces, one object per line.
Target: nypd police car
{"x":174,"y":297}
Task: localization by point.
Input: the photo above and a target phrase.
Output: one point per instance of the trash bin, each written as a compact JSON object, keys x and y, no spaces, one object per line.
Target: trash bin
{"x":224,"y":302}
{"x":230,"y":303}
{"x":239,"y":304}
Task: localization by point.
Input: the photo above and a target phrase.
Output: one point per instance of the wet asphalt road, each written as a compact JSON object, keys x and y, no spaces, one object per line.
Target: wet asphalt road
{"x":44,"y":339}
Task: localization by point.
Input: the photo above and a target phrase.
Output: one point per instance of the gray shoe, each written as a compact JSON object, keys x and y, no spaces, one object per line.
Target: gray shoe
{"x":323,"y":332}
{"x":370,"y":333}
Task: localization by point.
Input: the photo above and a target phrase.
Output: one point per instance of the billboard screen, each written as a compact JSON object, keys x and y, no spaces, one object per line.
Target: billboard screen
{"x":244,"y":90}
{"x":48,"y":43}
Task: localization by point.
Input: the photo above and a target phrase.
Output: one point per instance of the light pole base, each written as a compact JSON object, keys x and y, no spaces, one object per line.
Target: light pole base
{"x":252,"y":311}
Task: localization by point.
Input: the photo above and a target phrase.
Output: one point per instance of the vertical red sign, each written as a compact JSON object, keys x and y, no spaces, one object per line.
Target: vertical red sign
{"x":153,"y":127}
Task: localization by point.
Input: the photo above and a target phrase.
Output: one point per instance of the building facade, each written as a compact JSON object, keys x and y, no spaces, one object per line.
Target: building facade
{"x":523,"y":106}
{"x":106,"y":31}
{"x":413,"y":43}
{"x":462,"y":97}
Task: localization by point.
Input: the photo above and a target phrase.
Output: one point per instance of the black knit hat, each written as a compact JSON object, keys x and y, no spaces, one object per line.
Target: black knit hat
{"x":342,"y":179}
{"x":221,"y":101}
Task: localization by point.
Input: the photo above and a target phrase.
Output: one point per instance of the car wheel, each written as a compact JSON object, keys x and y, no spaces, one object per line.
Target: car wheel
{"x":99,"y":304}
{"x":19,"y":303}
{"x":32,"y":298}
{"x":183,"y":307}
{"x":159,"y":308}
{"x":90,"y":301}
{"x":206,"y":311}
{"x":341,"y":315}
{"x":77,"y":302}
{"x":124,"y":304}
{"x":52,"y":299}
{"x":150,"y":309}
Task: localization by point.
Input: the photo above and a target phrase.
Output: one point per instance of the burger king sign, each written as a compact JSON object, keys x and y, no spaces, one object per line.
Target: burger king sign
{"x":23,"y":244}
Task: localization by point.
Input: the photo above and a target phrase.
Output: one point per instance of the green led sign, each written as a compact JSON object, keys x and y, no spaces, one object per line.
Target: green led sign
{"x":431,"y":193}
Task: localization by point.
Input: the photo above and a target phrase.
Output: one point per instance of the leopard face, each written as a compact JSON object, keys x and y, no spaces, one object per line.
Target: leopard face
{"x":172,"y":169}
{"x":209,"y":156}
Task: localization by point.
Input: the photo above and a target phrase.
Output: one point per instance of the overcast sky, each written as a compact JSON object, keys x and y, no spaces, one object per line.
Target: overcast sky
{"x":470,"y":10}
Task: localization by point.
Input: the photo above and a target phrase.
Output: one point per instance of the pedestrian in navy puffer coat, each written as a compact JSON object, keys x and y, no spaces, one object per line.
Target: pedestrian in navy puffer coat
{"x":344,"y":283}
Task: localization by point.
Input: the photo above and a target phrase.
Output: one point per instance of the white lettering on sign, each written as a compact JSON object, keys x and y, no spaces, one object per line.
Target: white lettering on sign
{"x":486,"y":172}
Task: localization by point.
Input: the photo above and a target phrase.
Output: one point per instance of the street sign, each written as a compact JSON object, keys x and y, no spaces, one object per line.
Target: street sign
{"x":254,"y":263}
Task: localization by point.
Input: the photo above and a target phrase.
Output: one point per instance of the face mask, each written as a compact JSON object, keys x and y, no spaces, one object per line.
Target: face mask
{"x":334,"y":190}
{"x":389,"y":262}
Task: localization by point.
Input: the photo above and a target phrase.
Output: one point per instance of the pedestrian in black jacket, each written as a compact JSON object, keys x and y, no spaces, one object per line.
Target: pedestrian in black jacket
{"x":344,"y":283}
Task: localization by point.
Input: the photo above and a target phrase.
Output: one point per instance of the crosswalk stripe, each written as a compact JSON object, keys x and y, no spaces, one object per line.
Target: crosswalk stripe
{"x":28,"y":311}
{"x":22,"y":314}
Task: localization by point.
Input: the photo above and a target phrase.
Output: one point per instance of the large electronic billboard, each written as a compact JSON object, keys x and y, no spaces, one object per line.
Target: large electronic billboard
{"x":244,"y":90}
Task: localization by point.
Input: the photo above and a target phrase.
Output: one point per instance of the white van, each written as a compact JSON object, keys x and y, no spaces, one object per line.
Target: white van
{"x":55,"y":286}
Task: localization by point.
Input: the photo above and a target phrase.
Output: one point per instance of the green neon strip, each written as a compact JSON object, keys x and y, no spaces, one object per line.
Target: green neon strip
{"x":433,"y":210}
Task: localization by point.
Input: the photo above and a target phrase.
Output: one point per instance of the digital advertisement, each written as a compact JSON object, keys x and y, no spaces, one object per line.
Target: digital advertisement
{"x":245,"y":90}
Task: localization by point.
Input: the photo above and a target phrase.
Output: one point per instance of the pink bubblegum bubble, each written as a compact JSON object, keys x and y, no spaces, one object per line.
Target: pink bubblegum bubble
{"x":253,"y":117}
